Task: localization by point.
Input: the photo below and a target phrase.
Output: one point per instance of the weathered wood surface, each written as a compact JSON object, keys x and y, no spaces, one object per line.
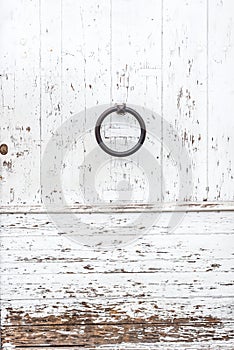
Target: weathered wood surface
{"x":160,"y":207}
{"x":161,"y":288}
{"x":20,"y":102}
{"x":114,"y":310}
{"x":192,"y":222}
{"x":184,"y":91}
{"x":171,"y":288}
{"x":165,"y":286}
{"x":133,"y":332}
{"x":62,"y":58}
{"x":149,"y":346}
{"x":220,"y":38}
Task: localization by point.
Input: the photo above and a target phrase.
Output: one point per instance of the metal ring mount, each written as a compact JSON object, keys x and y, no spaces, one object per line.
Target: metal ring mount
{"x":120,"y":109}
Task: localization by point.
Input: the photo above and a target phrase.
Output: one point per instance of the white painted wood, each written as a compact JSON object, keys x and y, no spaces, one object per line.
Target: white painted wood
{"x":25,"y":225}
{"x":136,"y":53}
{"x":184,"y":95}
{"x":136,"y":70}
{"x":169,"y":207}
{"x":170,"y":284}
{"x":125,"y":307}
{"x":221,"y":100}
{"x":55,"y":66}
{"x":148,"y":346}
{"x":75,"y":64}
{"x":187,"y":284}
{"x":185,"y":274}
{"x":51,"y":93}
{"x":86,"y":81}
{"x":20,"y":102}
{"x":150,"y":263}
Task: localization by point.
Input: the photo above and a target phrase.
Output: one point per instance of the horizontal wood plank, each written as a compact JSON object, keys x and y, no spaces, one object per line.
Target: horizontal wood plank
{"x":208,"y":345}
{"x":190,"y":206}
{"x":189,"y":223}
{"x":93,"y":335}
{"x":183,"y":277}
{"x":113,"y":311}
{"x":184,"y":284}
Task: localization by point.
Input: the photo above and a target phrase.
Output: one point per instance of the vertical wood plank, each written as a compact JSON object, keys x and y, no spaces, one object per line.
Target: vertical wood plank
{"x":184,"y":94}
{"x":85,"y":83}
{"x":72,"y":67}
{"x":51,"y":90}
{"x":50,"y":68}
{"x":221,"y":100}
{"x":136,"y":77}
{"x":136,"y":53}
{"x":101,"y":53}
{"x":85,"y":55}
{"x":20,"y":108}
{"x":96,"y":37}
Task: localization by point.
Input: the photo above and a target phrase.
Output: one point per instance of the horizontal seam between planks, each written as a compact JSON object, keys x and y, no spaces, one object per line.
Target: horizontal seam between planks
{"x":150,"y":323}
{"x":192,"y":210}
{"x":118,"y":298}
{"x":117,"y":272}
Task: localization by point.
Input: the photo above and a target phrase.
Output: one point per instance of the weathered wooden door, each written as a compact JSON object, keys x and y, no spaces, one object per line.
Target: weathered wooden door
{"x":104,"y":252}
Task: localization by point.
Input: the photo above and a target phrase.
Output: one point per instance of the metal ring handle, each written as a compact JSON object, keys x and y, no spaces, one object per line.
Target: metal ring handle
{"x":120,"y":109}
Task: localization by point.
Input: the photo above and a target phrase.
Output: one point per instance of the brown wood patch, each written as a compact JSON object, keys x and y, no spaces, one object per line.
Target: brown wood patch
{"x":72,"y":329}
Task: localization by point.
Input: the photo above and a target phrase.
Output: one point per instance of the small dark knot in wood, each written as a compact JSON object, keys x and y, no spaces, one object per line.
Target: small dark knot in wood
{"x":3,"y":149}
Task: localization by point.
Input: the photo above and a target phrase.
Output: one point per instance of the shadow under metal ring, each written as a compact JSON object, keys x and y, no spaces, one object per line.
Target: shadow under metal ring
{"x":120,"y":109}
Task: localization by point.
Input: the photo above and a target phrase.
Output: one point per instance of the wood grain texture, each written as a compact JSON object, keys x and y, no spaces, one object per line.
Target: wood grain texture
{"x":166,"y":207}
{"x":132,"y":333}
{"x":169,"y":287}
{"x":50,"y":57}
{"x":220,"y":106}
{"x":163,"y":287}
{"x":148,"y":346}
{"x":54,"y":68}
{"x":113,"y":311}
{"x":184,"y":94}
{"x":20,"y":103}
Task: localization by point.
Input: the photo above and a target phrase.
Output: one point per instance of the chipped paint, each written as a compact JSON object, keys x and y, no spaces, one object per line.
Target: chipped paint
{"x":166,"y":290}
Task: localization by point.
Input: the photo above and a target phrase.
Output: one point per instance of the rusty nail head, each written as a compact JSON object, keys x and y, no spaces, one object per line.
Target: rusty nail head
{"x":3,"y":149}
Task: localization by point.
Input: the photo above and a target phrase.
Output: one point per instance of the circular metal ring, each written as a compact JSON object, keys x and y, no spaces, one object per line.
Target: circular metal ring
{"x":120,"y":109}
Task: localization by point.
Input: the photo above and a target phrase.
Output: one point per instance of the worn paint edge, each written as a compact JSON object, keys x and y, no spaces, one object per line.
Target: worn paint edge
{"x":125,"y":208}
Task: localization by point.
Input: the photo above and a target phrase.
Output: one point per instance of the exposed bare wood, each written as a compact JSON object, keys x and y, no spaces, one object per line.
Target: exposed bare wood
{"x":118,"y":284}
{"x":93,"y":335}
